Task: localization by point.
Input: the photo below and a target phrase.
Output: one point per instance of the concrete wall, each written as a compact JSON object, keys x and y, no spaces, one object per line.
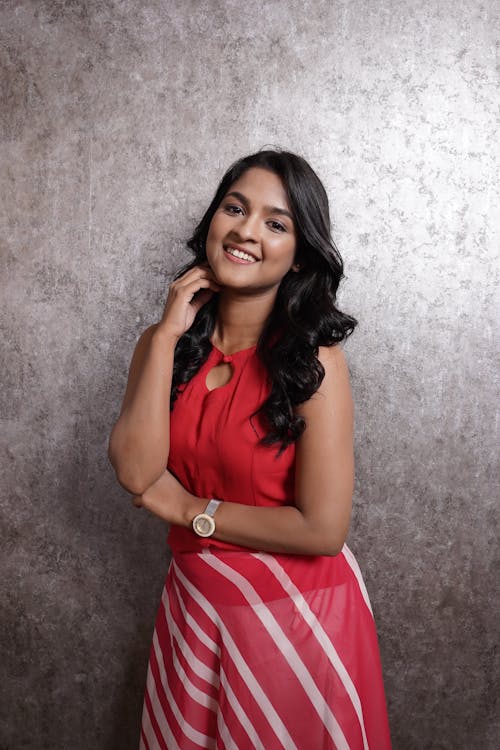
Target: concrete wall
{"x":117,"y":119}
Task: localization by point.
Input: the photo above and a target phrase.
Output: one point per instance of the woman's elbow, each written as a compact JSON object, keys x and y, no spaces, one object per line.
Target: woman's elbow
{"x":331,"y":547}
{"x":131,"y":484}
{"x":133,"y":475}
{"x":131,"y":480}
{"x":329,"y":541}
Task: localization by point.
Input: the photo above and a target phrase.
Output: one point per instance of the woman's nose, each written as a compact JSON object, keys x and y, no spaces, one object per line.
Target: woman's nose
{"x":247,"y":227}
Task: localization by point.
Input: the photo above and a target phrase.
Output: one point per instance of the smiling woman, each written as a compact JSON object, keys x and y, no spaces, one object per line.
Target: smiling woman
{"x":245,"y":231}
{"x":237,"y":429}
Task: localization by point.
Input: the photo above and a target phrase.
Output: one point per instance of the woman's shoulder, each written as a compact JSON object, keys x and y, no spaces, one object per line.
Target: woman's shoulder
{"x":335,"y":387}
{"x":325,"y":448}
{"x":332,"y":358}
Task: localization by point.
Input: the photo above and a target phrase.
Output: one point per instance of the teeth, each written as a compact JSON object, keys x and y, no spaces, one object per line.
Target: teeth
{"x":240,"y":254}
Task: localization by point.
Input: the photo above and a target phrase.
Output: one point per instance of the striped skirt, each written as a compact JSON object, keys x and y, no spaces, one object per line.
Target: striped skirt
{"x":265,"y":651}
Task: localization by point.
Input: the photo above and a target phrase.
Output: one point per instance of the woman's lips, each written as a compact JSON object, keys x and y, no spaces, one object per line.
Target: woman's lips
{"x":235,"y":259}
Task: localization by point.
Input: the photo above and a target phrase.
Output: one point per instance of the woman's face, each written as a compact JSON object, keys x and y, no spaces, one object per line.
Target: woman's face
{"x":251,"y":241}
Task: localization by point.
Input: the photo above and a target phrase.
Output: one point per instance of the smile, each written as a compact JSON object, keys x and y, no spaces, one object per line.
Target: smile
{"x":240,"y":255}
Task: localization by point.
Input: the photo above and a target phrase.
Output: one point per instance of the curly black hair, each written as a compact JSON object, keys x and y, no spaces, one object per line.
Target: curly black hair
{"x":304,"y":315}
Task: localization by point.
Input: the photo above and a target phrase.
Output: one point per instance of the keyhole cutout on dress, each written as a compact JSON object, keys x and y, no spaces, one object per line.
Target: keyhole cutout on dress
{"x":219,"y":375}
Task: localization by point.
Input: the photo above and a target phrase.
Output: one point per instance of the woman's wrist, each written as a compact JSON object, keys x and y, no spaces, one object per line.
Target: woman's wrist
{"x":165,"y":336}
{"x":192,"y":508}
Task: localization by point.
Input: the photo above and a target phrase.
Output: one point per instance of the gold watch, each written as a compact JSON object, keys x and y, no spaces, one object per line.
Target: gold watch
{"x":203,"y":523}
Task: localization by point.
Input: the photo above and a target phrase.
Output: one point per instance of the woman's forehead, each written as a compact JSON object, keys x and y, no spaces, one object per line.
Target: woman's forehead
{"x":260,"y":185}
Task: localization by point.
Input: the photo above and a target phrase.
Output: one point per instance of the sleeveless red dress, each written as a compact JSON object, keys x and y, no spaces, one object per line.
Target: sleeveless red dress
{"x":252,"y":649}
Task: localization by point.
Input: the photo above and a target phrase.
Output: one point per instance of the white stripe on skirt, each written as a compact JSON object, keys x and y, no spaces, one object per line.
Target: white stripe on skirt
{"x":259,"y":696}
{"x":285,"y":646}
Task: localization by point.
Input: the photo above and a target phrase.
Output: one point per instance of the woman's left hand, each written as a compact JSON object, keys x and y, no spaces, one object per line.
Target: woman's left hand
{"x":166,"y":498}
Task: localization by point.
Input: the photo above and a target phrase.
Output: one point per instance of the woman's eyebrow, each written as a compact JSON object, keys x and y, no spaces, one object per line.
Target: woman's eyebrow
{"x":269,"y":209}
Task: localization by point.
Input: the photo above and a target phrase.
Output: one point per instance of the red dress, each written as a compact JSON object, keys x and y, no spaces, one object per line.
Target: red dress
{"x":252,"y":649}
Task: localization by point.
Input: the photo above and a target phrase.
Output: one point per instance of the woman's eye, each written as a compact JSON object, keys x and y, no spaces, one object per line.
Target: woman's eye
{"x":232,"y":208}
{"x":277,"y":226}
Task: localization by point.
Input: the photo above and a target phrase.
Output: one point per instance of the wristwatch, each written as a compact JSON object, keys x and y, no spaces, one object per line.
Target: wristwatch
{"x":203,"y":523}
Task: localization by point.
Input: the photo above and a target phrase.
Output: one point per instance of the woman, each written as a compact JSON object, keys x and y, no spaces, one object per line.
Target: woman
{"x":264,"y":636}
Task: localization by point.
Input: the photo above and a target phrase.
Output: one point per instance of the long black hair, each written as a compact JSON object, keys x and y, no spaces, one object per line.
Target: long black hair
{"x":304,"y":315}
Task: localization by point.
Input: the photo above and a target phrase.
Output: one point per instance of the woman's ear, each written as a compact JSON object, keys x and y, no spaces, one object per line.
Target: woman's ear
{"x":296,"y":267}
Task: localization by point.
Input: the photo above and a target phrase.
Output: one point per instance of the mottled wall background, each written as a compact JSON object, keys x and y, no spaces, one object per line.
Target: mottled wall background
{"x":117,"y":120}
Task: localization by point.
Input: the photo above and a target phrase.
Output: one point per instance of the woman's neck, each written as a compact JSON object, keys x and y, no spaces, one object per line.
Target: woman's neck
{"x":240,"y":320}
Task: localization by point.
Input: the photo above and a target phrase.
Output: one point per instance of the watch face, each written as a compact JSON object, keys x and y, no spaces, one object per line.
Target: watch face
{"x":204,"y":525}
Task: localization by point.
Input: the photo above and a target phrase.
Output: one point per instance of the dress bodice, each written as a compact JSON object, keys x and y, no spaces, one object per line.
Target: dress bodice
{"x":214,"y":443}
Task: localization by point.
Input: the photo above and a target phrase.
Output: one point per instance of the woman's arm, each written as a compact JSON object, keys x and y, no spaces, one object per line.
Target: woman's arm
{"x":319,"y":521}
{"x":139,"y":443}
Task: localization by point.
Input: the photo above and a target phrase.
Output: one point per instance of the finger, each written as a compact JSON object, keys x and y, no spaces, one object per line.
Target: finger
{"x":195,"y":286}
{"x":184,"y":282}
{"x":202,"y":269}
{"x":201,"y":298}
{"x":206,"y":266}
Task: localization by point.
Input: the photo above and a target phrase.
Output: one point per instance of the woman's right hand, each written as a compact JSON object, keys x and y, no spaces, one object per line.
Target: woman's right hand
{"x":186,"y":296}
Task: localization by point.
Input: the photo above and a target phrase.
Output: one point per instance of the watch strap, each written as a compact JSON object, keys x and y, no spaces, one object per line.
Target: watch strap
{"x":212,"y":507}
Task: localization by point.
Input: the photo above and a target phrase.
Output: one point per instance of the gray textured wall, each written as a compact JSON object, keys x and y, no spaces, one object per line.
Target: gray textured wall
{"x":117,"y":120}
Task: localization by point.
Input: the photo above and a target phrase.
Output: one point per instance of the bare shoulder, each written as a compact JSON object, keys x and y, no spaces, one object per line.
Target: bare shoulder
{"x":335,"y":389}
{"x":333,"y":358}
{"x":334,"y":361}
